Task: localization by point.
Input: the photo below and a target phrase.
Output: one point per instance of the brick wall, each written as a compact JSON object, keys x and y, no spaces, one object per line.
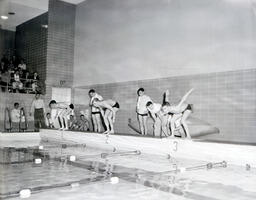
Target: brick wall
{"x":31,"y":43}
{"x":7,"y":42}
{"x":60,"y":47}
{"x":49,"y":51}
{"x":224,"y":99}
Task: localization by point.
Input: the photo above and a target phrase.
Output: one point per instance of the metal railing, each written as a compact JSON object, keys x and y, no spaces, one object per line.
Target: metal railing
{"x":8,"y":81}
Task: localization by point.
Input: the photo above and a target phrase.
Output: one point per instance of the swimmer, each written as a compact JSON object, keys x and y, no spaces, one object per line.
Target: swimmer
{"x":159,"y":116}
{"x":154,"y":110}
{"x":63,"y":113}
{"x":141,"y":110}
{"x":66,"y":114}
{"x":96,"y":118}
{"x":181,"y":110}
{"x":164,"y":114}
{"x":108,"y":109}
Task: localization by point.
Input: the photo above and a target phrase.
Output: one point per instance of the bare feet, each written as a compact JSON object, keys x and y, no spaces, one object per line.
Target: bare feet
{"x":188,"y":137}
{"x":171,"y":137}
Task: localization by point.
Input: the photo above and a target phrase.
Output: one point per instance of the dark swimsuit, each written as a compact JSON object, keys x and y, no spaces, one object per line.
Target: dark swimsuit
{"x":116,"y":105}
{"x":146,"y":114}
{"x":95,"y":113}
{"x":189,"y":107}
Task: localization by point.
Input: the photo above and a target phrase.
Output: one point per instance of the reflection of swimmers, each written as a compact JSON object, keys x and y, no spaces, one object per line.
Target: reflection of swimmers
{"x":110,"y":107}
{"x":182,"y":110}
{"x":96,"y":120}
{"x":141,"y":109}
{"x":62,"y":114}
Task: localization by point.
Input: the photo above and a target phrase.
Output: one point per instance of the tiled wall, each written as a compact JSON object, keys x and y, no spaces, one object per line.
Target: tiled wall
{"x":7,"y":42}
{"x":224,"y":99}
{"x":60,"y":47}
{"x":31,"y":43}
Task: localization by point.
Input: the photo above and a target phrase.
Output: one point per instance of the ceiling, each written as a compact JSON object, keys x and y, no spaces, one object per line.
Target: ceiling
{"x":24,"y":11}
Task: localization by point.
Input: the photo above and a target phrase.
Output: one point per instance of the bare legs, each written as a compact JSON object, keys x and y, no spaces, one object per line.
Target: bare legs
{"x":108,"y":120}
{"x":143,"y":124}
{"x":185,"y":115}
{"x":183,"y":122}
{"x":96,"y":122}
{"x":165,"y":126}
{"x":172,"y":119}
{"x":63,"y":121}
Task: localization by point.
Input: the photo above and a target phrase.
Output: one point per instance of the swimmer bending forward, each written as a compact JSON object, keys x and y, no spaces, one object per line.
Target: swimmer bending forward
{"x":183,"y":110}
{"x":62,"y":114}
{"x":108,"y":109}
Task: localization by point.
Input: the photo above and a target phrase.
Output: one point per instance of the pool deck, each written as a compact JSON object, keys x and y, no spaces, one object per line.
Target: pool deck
{"x":213,"y":152}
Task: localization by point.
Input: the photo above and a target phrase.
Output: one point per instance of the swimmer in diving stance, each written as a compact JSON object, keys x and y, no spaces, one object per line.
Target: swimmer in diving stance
{"x":108,"y":109}
{"x":181,"y":110}
{"x":63,"y":112}
{"x":167,"y":115}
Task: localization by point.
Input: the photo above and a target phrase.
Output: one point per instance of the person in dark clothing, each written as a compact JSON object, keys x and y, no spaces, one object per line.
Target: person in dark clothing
{"x":39,"y":112}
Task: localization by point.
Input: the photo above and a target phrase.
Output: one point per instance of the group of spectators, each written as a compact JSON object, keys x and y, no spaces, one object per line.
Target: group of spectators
{"x":44,"y":119}
{"x":167,"y":117}
{"x":15,"y":77}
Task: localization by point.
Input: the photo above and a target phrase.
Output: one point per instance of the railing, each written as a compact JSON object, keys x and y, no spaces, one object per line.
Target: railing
{"x":9,"y":87}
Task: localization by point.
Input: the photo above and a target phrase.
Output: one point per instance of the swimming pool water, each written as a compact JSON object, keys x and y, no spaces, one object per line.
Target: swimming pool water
{"x":141,"y":176}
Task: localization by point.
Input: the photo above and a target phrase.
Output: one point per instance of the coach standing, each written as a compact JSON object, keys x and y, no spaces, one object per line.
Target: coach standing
{"x":39,"y":112}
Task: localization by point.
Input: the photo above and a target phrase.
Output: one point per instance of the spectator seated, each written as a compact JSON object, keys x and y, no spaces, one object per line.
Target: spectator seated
{"x":22,"y":65}
{"x":49,"y":123}
{"x":35,"y":82}
{"x":83,"y":124}
{"x":18,"y":117}
{"x":17,"y":82}
{"x":72,"y":123}
{"x":14,"y":77}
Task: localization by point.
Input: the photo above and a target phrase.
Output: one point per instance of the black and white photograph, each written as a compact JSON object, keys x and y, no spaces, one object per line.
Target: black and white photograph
{"x":128,"y":99}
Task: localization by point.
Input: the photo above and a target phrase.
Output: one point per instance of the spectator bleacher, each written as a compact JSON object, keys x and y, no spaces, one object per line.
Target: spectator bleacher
{"x":15,"y":77}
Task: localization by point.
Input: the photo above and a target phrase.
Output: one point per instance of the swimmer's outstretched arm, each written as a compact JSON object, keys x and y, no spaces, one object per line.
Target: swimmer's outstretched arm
{"x":177,"y":109}
{"x":184,"y":98}
{"x":166,"y":96}
{"x":153,"y":115}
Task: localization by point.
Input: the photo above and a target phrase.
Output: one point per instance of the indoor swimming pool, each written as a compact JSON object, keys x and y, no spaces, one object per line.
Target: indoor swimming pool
{"x":64,"y":169}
